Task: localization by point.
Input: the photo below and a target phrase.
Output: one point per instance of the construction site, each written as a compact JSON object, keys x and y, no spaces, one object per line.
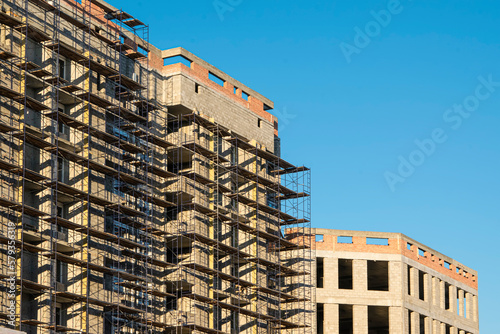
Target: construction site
{"x":142,"y":190}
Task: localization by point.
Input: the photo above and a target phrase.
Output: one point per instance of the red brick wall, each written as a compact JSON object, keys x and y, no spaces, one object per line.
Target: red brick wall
{"x":396,"y":246}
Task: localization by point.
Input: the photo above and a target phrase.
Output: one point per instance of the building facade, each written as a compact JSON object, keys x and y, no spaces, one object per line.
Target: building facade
{"x":379,"y":283}
{"x":142,"y":190}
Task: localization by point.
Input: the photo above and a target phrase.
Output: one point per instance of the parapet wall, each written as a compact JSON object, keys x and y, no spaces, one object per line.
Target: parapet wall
{"x":392,"y":243}
{"x":231,"y":88}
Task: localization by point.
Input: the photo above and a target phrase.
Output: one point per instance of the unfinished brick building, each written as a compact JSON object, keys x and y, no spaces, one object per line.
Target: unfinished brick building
{"x":142,"y":191}
{"x":379,"y":283}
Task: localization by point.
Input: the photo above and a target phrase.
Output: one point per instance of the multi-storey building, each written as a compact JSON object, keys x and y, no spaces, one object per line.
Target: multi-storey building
{"x":142,"y":191}
{"x":378,"y":283}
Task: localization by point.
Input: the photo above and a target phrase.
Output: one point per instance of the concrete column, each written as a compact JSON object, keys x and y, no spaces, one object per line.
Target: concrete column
{"x":416,"y":286}
{"x":396,"y":282}
{"x":435,"y":291}
{"x":453,"y":299}
{"x":442,"y":329}
{"x":436,"y":327}
{"x":427,"y":325}
{"x":427,"y":288}
{"x":461,"y":332}
{"x":461,"y":302}
{"x":331,"y":324}
{"x":360,"y":318}
{"x":406,"y":317}
{"x":475,"y":309}
{"x":454,"y":330}
{"x":331,"y":273}
{"x":413,"y":283}
{"x":441,"y":295}
{"x":396,"y":323}
{"x":360,"y":275}
{"x":415,"y":323}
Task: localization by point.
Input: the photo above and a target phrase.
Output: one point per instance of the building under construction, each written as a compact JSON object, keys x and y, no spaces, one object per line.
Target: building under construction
{"x":142,"y":191}
{"x":388,"y":283}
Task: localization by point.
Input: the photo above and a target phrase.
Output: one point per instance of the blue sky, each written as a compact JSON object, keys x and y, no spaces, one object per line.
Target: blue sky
{"x":351,"y":121}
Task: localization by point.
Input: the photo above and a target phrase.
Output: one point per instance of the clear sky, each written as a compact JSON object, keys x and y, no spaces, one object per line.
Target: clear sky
{"x":352,"y":107}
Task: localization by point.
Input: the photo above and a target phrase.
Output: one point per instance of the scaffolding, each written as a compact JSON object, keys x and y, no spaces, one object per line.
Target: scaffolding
{"x":130,"y":217}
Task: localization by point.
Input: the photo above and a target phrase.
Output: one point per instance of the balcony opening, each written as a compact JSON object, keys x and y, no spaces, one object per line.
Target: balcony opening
{"x":345,"y":319}
{"x":320,"y":272}
{"x":378,"y":319}
{"x":378,"y":275}
{"x":345,"y":274}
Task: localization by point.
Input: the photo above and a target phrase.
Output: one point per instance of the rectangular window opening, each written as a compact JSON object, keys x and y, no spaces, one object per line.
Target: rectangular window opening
{"x":421,"y":290}
{"x":344,"y":240}
{"x":320,"y":272}
{"x":447,"y":296}
{"x":421,"y":252}
{"x":408,"y":246}
{"x":408,"y":279}
{"x":196,"y":88}
{"x":345,"y":274}
{"x":378,"y":319}
{"x":216,"y":79}
{"x":465,"y":305}
{"x":447,"y":265}
{"x":409,"y":322}
{"x":422,"y":324}
{"x":378,"y":275}
{"x":320,"y":318}
{"x":176,"y":60}
{"x":319,"y":237}
{"x":245,"y":96}
{"x":377,"y":241}
{"x":345,"y":319}
{"x":259,"y":122}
